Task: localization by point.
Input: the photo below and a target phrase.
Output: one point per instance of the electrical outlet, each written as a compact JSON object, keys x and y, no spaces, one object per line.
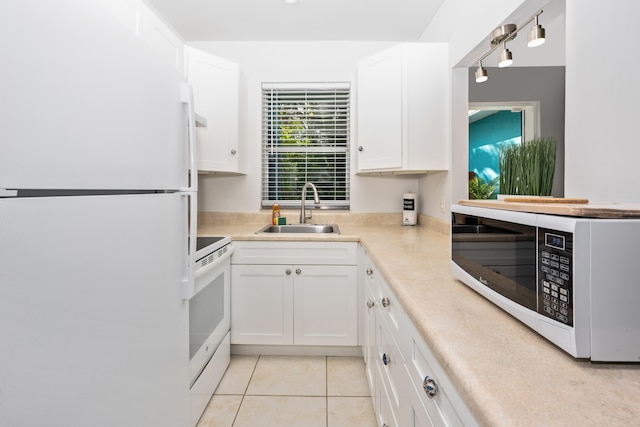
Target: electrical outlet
{"x":443,"y":205}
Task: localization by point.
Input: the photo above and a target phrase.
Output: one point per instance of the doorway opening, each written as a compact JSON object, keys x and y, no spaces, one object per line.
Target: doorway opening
{"x":493,"y":125}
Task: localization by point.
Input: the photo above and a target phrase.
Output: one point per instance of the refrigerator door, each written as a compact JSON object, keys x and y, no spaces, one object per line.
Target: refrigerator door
{"x":93,"y":327}
{"x":85,"y":103}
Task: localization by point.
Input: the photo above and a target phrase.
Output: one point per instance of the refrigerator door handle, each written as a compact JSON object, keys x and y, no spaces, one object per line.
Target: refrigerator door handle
{"x":188,"y":282}
{"x":187,"y":98}
{"x":8,"y":193}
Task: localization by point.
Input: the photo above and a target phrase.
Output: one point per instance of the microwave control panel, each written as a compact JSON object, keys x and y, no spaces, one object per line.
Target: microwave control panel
{"x":555,"y":275}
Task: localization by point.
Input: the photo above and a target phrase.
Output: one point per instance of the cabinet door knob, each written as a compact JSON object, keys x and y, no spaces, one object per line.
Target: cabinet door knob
{"x":288,"y":271}
{"x":360,"y":148}
{"x":234,"y":151}
{"x":385,"y":359}
{"x":430,"y":387}
{"x":386,"y":302}
{"x":298,"y":271}
{"x":369,"y":271}
{"x":370,"y":303}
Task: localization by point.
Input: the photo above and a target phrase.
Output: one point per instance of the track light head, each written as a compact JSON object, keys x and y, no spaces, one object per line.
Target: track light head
{"x":506,"y":58}
{"x":536,"y":36}
{"x":481,"y":73}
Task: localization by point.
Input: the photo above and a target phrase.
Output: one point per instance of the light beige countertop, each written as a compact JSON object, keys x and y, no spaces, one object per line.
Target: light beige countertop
{"x":506,"y":373}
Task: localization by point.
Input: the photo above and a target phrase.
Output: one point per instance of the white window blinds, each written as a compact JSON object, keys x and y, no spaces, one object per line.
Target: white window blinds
{"x":305,"y":138}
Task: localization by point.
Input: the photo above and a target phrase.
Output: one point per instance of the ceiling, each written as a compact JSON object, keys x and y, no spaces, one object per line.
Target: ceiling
{"x":306,"y":20}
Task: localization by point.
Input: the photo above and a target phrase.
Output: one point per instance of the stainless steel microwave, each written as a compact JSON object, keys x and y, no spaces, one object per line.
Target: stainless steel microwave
{"x":576,"y":281}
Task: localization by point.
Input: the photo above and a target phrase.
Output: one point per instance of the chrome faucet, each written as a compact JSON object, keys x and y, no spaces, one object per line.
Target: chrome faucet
{"x":316,"y":200}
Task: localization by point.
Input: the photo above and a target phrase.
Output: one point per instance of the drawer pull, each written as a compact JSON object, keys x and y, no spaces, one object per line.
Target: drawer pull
{"x":370,"y":303}
{"x":385,"y":359}
{"x":430,"y":387}
{"x":385,"y":302}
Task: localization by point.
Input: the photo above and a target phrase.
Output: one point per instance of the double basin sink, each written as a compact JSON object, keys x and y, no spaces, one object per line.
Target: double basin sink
{"x":300,"y":228}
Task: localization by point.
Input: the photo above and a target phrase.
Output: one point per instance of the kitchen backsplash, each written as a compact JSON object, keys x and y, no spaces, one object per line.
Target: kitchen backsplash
{"x":320,"y":217}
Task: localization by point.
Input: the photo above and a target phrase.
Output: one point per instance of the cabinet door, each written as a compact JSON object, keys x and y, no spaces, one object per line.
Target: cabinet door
{"x":140,"y":20}
{"x":379,"y":111}
{"x":161,"y":38}
{"x":325,"y":305}
{"x":127,"y":12}
{"x":216,"y":92}
{"x":261,"y":304}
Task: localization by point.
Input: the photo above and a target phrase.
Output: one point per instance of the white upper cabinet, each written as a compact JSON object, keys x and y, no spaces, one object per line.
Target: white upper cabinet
{"x":138,"y":18}
{"x":216,"y":92}
{"x":403,"y":109}
{"x":162,"y":39}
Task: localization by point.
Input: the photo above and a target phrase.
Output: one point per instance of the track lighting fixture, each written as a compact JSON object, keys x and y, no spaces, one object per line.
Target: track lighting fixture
{"x":503,"y":34}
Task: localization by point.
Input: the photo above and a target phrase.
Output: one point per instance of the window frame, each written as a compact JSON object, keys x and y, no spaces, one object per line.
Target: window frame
{"x":312,"y":137}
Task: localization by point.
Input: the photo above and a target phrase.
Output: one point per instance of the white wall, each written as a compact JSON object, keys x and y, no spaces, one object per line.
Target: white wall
{"x":602,"y":146}
{"x":292,"y":62}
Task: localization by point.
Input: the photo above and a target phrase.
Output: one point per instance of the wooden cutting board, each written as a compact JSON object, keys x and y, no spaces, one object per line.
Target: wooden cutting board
{"x":545,"y":200}
{"x":556,"y":207}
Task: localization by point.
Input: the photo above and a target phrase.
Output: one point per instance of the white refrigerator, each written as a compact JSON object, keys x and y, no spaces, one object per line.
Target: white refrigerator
{"x":96,"y":210}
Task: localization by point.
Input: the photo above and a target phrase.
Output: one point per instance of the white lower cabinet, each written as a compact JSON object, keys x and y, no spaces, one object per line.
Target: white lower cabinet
{"x":325,"y":302}
{"x":261,"y":305}
{"x":398,"y":362}
{"x":311,"y":302}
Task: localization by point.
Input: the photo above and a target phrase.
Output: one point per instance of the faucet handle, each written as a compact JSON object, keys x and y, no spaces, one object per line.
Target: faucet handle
{"x":307,"y":213}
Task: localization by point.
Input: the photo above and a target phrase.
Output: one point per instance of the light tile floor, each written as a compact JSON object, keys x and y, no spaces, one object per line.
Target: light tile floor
{"x":291,"y":391}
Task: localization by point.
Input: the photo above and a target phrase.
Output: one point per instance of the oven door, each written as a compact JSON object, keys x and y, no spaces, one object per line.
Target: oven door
{"x":209,"y":312}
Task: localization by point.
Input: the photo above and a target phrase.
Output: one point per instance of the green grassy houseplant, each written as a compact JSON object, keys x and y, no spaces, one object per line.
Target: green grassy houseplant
{"x":528,"y":168}
{"x":479,"y":189}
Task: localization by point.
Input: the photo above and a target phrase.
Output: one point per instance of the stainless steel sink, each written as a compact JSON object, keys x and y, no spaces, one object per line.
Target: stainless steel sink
{"x":301,"y":228}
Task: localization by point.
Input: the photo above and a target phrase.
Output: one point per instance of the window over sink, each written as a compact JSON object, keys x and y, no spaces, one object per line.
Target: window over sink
{"x":305,"y":138}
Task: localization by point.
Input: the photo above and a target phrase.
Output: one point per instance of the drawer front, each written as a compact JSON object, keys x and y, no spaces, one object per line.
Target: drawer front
{"x":387,"y":416}
{"x":390,"y":309}
{"x":390,"y":364}
{"x":421,"y":363}
{"x":418,"y":414}
{"x":370,"y":275}
{"x":310,"y":253}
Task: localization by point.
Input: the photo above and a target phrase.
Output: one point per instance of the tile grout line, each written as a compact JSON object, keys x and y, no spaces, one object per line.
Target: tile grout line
{"x":326,"y":390}
{"x":245,"y":391}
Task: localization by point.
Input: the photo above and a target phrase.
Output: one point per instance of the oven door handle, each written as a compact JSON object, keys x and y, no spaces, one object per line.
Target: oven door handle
{"x":205,"y":275}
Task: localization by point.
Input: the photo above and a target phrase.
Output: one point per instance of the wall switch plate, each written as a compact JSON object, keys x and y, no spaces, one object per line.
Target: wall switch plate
{"x":443,"y":205}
